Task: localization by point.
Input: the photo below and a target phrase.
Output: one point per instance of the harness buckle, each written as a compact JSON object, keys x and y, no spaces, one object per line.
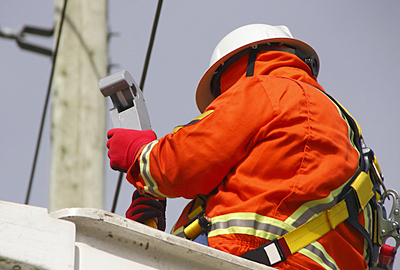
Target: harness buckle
{"x":389,"y":227}
{"x":379,"y":175}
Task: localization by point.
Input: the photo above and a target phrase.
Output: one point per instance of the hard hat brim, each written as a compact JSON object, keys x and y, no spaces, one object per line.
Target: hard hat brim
{"x":203,"y":93}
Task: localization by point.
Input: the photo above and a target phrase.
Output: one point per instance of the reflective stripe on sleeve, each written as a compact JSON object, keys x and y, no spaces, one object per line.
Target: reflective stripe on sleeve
{"x":194,"y":121}
{"x":151,"y":186}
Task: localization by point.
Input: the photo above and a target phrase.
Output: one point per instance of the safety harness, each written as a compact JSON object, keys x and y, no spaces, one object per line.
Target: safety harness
{"x":362,"y":191}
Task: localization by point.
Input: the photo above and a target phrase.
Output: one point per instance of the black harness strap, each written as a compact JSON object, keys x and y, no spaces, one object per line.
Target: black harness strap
{"x":251,"y":62}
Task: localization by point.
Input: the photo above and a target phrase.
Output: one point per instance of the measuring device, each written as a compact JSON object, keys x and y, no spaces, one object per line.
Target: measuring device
{"x":129,"y":109}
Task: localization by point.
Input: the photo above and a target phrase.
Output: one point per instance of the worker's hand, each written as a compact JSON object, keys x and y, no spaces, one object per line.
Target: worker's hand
{"x":144,"y":208}
{"x":124,"y":144}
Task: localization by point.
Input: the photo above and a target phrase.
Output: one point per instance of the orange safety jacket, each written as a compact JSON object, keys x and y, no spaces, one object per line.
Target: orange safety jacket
{"x":270,"y":153}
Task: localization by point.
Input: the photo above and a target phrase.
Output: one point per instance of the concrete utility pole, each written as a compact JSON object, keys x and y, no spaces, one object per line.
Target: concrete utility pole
{"x":78,"y":124}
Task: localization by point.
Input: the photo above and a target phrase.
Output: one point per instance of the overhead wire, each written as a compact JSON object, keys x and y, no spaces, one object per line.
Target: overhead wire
{"x":45,"y":104}
{"x":141,"y":86}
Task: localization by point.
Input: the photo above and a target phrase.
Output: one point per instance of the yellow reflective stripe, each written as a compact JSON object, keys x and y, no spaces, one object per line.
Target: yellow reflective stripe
{"x":363,"y":187}
{"x":377,"y":238}
{"x":249,"y":224}
{"x":318,"y":254}
{"x":368,"y":225}
{"x":377,"y":165}
{"x":178,"y":232}
{"x":358,"y":126}
{"x":300,"y":216}
{"x":204,"y":114}
{"x":198,"y":118}
{"x":350,"y":131}
{"x":244,"y":230}
{"x":317,"y":227}
{"x":151,"y":186}
{"x":177,"y":128}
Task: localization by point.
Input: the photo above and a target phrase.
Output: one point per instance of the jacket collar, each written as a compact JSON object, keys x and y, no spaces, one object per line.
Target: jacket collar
{"x":276,"y":63}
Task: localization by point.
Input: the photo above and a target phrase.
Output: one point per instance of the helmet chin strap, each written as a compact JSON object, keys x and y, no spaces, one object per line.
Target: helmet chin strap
{"x":215,"y":84}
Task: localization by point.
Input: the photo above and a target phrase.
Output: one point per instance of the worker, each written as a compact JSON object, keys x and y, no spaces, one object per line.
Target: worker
{"x":269,"y":152}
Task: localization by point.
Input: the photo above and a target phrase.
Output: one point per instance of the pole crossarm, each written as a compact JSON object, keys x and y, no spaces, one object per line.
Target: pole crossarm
{"x":20,"y":37}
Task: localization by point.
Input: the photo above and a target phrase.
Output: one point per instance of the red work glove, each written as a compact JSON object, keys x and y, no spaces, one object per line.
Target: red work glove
{"x":124,"y":144}
{"x":144,"y":208}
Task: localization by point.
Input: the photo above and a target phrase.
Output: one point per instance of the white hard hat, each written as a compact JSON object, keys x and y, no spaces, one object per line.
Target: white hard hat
{"x":240,"y":39}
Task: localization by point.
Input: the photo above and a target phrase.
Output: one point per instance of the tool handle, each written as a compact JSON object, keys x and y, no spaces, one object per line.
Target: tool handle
{"x":152,"y":223}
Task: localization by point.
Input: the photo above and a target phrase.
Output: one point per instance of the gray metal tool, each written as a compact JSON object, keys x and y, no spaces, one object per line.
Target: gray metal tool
{"x":389,"y":222}
{"x":130,"y":109}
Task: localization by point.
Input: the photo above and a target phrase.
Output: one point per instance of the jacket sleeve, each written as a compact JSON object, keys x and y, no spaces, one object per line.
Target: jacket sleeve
{"x":195,"y":159}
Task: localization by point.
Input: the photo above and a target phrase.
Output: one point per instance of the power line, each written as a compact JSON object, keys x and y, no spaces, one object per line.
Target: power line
{"x":150,"y":47}
{"x":45,"y":104}
{"x":141,"y":86}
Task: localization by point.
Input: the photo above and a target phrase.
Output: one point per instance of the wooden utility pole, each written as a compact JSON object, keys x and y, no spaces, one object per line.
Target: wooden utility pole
{"x":78,"y":123}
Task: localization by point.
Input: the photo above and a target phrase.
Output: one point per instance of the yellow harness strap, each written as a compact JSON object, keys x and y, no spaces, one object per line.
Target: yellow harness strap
{"x":316,"y":228}
{"x":282,"y":247}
